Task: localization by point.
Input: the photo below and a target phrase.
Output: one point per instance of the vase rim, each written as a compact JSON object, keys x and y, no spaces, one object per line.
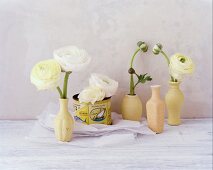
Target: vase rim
{"x":131,"y":95}
{"x":75,"y":97}
{"x":63,"y":99}
{"x":171,"y":82}
{"x":155,"y":86}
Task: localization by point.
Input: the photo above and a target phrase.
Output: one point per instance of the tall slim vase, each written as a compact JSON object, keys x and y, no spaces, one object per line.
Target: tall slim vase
{"x":63,"y":123}
{"x":174,"y":101}
{"x":155,"y":109}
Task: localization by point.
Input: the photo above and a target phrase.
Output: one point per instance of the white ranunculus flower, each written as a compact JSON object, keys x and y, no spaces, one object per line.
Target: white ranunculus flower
{"x":108,"y":85}
{"x":176,"y":76}
{"x":71,"y":58}
{"x":180,"y":65}
{"x":91,"y":95}
{"x":46,"y":74}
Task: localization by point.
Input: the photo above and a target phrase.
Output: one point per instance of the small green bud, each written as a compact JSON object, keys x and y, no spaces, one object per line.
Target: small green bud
{"x":139,"y":43}
{"x":131,"y":71}
{"x":143,"y":46}
{"x":157,"y":48}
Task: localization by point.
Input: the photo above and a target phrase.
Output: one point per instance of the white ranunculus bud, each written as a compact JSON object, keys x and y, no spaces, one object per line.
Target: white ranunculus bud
{"x":91,"y":95}
{"x":180,"y":65}
{"x":71,"y":58}
{"x":46,"y":74}
{"x":108,"y":85}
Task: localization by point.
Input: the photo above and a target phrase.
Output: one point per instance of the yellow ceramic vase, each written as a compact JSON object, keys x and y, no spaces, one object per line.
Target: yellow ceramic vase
{"x":174,"y":101}
{"x":63,"y":123}
{"x":155,"y":109}
{"x":131,"y":108}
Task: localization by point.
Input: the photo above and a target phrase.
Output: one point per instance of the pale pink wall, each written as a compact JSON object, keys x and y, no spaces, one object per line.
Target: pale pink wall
{"x":30,"y":30}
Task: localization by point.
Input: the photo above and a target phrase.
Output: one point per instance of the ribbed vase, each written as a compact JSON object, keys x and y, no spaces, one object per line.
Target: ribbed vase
{"x":63,"y":123}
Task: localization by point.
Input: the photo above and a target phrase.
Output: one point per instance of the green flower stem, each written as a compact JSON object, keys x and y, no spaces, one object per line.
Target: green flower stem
{"x":136,"y":84}
{"x":66,"y":77}
{"x":173,"y":79}
{"x":132,"y":89}
{"x":166,"y":57}
{"x":133,"y":57}
{"x":168,"y":61}
{"x":59,"y":91}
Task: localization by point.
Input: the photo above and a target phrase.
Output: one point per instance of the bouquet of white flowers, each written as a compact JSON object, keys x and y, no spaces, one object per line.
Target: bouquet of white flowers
{"x":100,"y":86}
{"x":46,"y":75}
{"x":93,"y":104}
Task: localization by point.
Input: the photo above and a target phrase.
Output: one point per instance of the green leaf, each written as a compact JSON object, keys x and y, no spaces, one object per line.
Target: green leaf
{"x":142,"y":78}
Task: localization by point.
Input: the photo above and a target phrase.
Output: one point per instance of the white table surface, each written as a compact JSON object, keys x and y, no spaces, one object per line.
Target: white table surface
{"x":188,"y":146}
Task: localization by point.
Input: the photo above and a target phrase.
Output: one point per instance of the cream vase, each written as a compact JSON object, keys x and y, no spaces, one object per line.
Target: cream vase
{"x":131,"y":108}
{"x":174,"y":101}
{"x":155,"y":110}
{"x":63,"y":123}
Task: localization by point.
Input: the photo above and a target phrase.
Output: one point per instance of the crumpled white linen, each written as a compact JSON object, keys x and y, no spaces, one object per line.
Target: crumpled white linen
{"x":121,"y":132}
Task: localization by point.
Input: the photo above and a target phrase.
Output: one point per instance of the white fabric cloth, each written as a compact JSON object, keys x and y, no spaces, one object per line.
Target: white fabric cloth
{"x":95,"y":135}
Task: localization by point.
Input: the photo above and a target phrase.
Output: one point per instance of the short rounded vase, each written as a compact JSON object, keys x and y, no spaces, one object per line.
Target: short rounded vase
{"x":63,"y":123}
{"x":155,"y":110}
{"x":131,"y":108}
{"x":174,"y":101}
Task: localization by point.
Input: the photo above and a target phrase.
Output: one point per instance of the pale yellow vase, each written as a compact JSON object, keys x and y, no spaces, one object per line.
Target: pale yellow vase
{"x":63,"y":123}
{"x":174,"y":101}
{"x":155,"y":110}
{"x":131,"y":108}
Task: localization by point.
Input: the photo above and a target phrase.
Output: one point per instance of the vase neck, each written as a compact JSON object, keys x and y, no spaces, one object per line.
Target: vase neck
{"x":63,"y":105}
{"x":155,"y":92}
{"x":174,"y":85}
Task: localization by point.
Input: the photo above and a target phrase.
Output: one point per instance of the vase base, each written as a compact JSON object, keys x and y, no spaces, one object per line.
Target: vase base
{"x":157,"y":131}
{"x":174,"y":124}
{"x":132,"y":119}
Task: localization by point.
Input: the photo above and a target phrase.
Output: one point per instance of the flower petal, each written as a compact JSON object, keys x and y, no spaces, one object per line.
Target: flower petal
{"x":71,"y":58}
{"x":46,"y":74}
{"x":108,"y":85}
